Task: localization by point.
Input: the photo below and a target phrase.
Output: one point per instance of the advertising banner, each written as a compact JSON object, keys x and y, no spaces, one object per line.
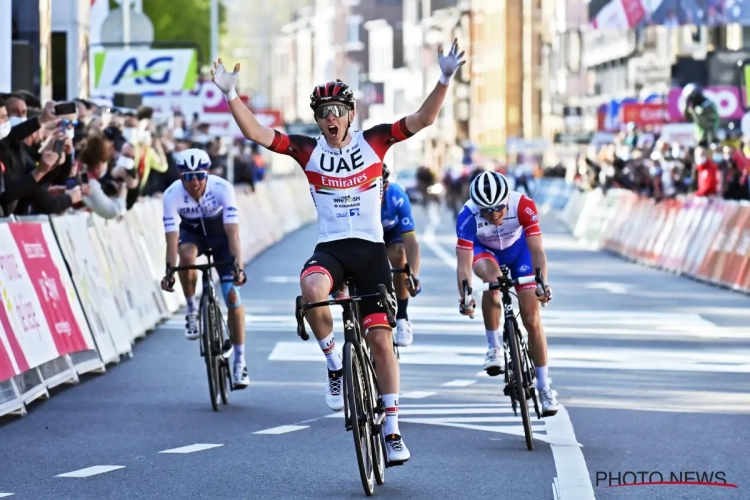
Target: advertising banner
{"x":50,"y":290}
{"x":627,"y":14}
{"x":727,"y":99}
{"x":643,"y":114}
{"x":135,"y":71}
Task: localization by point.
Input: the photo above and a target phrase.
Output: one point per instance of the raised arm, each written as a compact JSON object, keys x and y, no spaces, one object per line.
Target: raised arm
{"x":249,"y":125}
{"x":430,"y":109}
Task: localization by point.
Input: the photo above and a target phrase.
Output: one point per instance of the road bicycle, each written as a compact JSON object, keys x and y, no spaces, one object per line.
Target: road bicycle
{"x":520,"y":374}
{"x":411,"y":286}
{"x":364,"y":410}
{"x":215,"y":347}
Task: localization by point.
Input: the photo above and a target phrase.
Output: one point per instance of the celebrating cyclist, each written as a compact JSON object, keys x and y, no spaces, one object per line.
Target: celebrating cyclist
{"x":344,"y":170}
{"x":209,"y":218}
{"x":497,"y":227}
{"x":400,"y":239}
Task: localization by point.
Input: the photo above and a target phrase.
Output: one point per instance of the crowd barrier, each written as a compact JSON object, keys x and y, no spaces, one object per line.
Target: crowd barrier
{"x":78,"y":290}
{"x":706,"y":239}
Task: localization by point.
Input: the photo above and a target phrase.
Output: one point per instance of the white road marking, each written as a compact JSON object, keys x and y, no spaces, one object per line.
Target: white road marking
{"x":192,"y":448}
{"x":610,"y":287}
{"x":282,"y":429}
{"x":3,"y":495}
{"x":469,"y":410}
{"x":91,"y":471}
{"x":416,"y":395}
{"x":591,"y":358}
{"x":459,"y":383}
{"x":281,"y":279}
{"x":573,"y":481}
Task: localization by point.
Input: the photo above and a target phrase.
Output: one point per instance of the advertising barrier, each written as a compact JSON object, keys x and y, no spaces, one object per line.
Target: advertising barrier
{"x":78,"y":290}
{"x":707,"y":239}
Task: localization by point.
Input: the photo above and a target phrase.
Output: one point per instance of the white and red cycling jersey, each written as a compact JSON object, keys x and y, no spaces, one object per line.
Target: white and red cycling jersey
{"x":346,"y":184}
{"x":521,"y":218}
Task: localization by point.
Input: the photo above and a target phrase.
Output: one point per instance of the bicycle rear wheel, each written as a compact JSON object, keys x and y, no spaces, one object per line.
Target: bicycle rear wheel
{"x":358,"y":413}
{"x":519,"y":381}
{"x":208,"y":319}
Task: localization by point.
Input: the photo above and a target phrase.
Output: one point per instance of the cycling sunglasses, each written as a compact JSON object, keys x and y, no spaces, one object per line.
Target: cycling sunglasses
{"x":189,"y":176}
{"x":338,"y":110}
{"x":498,"y":208}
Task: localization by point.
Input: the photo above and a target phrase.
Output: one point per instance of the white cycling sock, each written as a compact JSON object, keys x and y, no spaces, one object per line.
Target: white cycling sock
{"x":391,"y":413}
{"x":239,"y":353}
{"x":542,"y":383}
{"x":192,"y":304}
{"x":333,"y":359}
{"x":493,"y":338}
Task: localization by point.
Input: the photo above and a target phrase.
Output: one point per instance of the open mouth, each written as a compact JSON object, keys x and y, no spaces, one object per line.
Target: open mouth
{"x":333,"y":130}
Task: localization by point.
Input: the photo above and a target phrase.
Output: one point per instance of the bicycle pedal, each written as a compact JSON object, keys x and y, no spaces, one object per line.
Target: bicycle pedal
{"x":506,"y":390}
{"x":494,"y":371}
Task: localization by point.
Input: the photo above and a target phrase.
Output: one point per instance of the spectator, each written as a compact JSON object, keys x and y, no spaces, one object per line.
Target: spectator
{"x":96,"y":157}
{"x":27,"y":180}
{"x":708,"y":173}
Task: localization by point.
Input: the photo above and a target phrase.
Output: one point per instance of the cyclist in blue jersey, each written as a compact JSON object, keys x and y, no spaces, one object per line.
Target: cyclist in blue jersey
{"x":400,"y":238}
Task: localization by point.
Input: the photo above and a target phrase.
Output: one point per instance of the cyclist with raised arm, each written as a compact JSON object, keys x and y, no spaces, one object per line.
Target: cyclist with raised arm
{"x":400,"y":237}
{"x":497,"y":227}
{"x":208,"y":218}
{"x":347,"y":164}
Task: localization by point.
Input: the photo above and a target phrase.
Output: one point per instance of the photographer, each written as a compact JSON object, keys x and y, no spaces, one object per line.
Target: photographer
{"x":108,"y":190}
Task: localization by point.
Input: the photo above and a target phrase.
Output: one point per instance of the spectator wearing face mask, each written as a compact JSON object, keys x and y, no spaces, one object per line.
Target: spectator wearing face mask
{"x":26,"y":180}
{"x":708,"y":173}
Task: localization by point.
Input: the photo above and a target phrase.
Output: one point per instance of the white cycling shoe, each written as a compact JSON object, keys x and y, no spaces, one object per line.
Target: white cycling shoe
{"x":192,"y":332}
{"x":549,"y":402}
{"x":335,"y":390}
{"x":493,"y":362}
{"x":396,"y":449}
{"x":241,"y":380}
{"x":404,"y":336}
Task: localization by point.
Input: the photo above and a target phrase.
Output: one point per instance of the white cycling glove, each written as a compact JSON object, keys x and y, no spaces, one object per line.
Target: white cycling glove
{"x":225,"y":80}
{"x":449,"y":62}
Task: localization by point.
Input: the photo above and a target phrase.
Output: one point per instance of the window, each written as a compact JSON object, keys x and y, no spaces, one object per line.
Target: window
{"x":352,"y":29}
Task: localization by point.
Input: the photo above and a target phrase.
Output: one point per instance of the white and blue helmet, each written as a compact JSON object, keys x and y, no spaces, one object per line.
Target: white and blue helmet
{"x":192,"y":160}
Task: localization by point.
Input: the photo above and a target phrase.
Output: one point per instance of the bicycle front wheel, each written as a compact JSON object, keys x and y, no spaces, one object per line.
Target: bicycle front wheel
{"x":519,"y":382}
{"x":208,"y":320}
{"x":359,"y":415}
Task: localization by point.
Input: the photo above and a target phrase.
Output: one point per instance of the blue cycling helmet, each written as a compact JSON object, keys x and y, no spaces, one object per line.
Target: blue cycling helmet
{"x":192,"y":160}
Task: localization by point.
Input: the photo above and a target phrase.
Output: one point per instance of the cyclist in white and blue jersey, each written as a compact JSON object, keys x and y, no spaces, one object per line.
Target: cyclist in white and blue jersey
{"x":400,"y":237}
{"x":200,"y":212}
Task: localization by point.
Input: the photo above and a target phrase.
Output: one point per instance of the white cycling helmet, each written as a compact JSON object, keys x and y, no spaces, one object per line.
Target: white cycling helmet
{"x":489,"y":190}
{"x":192,"y":160}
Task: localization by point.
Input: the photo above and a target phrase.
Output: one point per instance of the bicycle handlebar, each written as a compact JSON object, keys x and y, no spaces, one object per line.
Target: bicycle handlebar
{"x":410,"y":283}
{"x":302,"y":306}
{"x":203,"y":267}
{"x":504,"y":284}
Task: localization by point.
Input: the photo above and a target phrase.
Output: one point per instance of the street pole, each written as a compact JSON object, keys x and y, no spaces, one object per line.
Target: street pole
{"x":126,"y":23}
{"x":214,"y":29}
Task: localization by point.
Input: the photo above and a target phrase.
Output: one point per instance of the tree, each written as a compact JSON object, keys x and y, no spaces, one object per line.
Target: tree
{"x":183,"y":21}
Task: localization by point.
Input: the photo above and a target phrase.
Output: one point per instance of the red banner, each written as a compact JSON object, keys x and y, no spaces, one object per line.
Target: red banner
{"x":643,"y":114}
{"x":49,"y":288}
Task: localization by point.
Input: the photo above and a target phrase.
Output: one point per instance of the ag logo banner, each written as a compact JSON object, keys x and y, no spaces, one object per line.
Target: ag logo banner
{"x":137,"y":71}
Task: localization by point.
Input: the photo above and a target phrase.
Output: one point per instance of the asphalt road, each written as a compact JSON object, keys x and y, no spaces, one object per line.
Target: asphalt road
{"x":653,"y":371}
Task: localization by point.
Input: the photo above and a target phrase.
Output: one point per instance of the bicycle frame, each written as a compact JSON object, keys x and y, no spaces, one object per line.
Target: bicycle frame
{"x":352,"y":333}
